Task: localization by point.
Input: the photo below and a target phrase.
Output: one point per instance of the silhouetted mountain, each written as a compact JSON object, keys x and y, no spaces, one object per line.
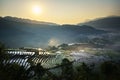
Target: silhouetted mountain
{"x":22,"y":20}
{"x":16,"y":32}
{"x":107,"y":23}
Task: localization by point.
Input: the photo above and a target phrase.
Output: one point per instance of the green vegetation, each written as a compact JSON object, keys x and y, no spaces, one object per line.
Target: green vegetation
{"x":52,"y":49}
{"x":108,"y":70}
{"x":12,"y":72}
{"x":3,"y":55}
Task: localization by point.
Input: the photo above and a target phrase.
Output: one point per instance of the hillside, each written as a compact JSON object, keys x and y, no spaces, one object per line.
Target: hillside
{"x":26,"y":33}
{"x":111,"y":23}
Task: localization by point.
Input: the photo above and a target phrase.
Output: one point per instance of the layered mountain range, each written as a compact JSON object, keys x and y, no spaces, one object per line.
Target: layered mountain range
{"x":18,"y":32}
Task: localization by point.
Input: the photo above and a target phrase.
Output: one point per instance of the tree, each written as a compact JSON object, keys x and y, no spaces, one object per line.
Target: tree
{"x":13,"y":72}
{"x":3,"y":55}
{"x":110,"y":70}
{"x":83,"y":72}
{"x":36,"y":72}
{"x":64,"y":46}
{"x":52,"y":49}
{"x":67,"y":69}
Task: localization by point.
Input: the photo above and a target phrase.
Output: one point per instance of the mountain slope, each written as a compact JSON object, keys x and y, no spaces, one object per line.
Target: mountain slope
{"x":22,"y":20}
{"x":18,"y":33}
{"x":107,"y":23}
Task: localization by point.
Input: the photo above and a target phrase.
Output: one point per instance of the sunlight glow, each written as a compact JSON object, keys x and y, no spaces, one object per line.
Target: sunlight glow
{"x":53,"y":42}
{"x":37,"y":10}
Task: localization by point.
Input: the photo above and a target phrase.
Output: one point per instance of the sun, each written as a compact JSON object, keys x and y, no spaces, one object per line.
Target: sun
{"x":37,"y":10}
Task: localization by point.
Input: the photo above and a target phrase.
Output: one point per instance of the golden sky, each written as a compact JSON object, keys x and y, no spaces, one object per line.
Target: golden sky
{"x":60,"y":11}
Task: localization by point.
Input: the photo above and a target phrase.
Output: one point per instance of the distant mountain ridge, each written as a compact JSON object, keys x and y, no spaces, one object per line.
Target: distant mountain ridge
{"x":16,"y":32}
{"x":111,"y":23}
{"x":22,"y":20}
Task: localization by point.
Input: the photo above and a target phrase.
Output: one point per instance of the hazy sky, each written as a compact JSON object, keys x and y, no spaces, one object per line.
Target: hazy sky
{"x":60,"y":11}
